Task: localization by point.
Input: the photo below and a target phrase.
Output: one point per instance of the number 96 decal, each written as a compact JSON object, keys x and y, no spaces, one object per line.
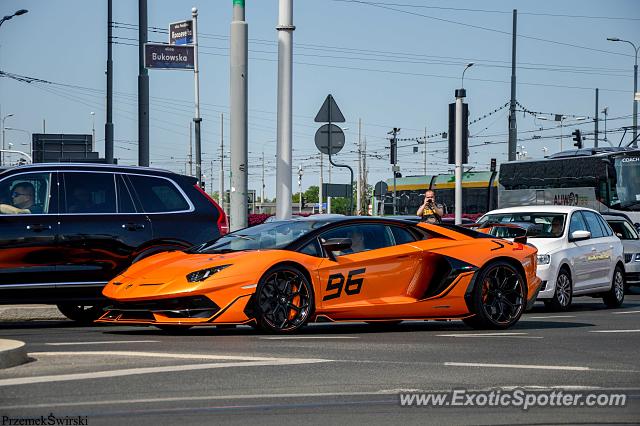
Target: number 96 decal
{"x":336,"y":284}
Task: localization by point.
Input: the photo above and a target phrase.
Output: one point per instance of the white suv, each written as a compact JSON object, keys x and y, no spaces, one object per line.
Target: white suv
{"x":578,"y":253}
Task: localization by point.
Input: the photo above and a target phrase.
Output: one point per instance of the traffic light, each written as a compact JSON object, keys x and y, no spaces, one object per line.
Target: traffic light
{"x":304,"y":202}
{"x":577,"y":137}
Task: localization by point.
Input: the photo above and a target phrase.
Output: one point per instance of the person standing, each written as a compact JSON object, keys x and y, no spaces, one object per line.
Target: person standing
{"x":430,"y":211}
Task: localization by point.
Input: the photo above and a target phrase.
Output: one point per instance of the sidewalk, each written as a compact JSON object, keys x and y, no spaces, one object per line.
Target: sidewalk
{"x":16,"y":313}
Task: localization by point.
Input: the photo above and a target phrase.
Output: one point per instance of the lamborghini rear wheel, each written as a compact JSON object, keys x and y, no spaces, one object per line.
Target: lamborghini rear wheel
{"x":499,"y":297}
{"x":284,"y":300}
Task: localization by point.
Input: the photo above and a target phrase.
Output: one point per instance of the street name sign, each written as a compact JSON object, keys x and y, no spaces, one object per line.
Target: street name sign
{"x":164,"y":56}
{"x":181,"y":33}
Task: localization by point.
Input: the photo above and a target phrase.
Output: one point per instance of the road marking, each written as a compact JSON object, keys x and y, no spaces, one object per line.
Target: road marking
{"x":520,"y":366}
{"x":153,"y":370}
{"x":306,"y":337}
{"x":103,"y":342}
{"x":614,"y":331}
{"x":513,"y":335}
{"x":154,"y":355}
{"x":626,"y":312}
{"x":549,"y":317}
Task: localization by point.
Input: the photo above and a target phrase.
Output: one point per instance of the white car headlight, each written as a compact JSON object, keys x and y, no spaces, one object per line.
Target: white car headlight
{"x":544,"y":259}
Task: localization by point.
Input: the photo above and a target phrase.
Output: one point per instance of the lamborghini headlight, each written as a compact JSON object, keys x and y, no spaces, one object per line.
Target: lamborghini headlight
{"x":203,"y":274}
{"x":544,"y":259}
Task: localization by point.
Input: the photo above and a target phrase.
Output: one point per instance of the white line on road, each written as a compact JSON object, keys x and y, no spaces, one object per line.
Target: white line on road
{"x":549,"y":317}
{"x":104,"y":342}
{"x":626,"y":312}
{"x":151,"y":370}
{"x":307,"y":337}
{"x":153,"y":355}
{"x":521,"y":366}
{"x":614,"y":331}
{"x":513,"y":335}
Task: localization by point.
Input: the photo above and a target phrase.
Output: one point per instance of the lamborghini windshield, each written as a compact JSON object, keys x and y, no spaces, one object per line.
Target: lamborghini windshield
{"x":272,"y":235}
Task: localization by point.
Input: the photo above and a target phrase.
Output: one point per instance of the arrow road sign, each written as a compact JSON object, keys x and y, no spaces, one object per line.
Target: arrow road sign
{"x":322,"y":139}
{"x":329,"y":112}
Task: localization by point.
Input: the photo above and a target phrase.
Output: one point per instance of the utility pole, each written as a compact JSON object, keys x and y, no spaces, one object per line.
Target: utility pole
{"x":108,"y":125}
{"x":196,"y":81}
{"x":300,"y":172}
{"x":93,"y":130}
{"x":239,"y":208}
{"x":359,"y":183}
{"x":262,"y":193}
{"x":221,"y":194}
{"x":143,"y":88}
{"x":605,"y":111}
{"x":513,"y":129}
{"x":285,"y":109}
{"x":394,"y":161}
{"x":425,"y":151}
{"x":596,"y":119}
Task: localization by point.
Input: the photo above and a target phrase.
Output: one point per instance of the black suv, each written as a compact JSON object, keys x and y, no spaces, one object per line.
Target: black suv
{"x":80,"y":225}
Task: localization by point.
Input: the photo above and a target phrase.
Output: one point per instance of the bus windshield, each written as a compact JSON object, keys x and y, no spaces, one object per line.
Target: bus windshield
{"x":627,"y":184}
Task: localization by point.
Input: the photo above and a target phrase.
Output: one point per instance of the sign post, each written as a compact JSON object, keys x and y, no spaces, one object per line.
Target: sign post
{"x":330,"y":113}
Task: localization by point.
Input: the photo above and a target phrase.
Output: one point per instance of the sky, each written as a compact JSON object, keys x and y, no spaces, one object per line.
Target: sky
{"x":388,"y":63}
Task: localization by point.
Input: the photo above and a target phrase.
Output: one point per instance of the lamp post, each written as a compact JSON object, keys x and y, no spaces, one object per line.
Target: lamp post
{"x":3,"y":147}
{"x":29,"y":134}
{"x":460,"y":95}
{"x":93,"y":130}
{"x":635,"y":89}
{"x":18,"y":13}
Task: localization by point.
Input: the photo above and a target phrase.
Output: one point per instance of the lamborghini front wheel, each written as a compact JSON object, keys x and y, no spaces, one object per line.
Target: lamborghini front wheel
{"x":498,"y":298}
{"x":284,"y":300}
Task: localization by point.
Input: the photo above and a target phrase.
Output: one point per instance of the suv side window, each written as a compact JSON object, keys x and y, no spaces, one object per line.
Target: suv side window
{"x":577,"y":223}
{"x":158,"y":195}
{"x":26,"y":193}
{"x":594,"y":224}
{"x":89,"y":192}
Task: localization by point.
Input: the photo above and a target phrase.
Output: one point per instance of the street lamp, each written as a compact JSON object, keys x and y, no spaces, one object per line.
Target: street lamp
{"x":469,"y":65}
{"x":93,"y":131}
{"x":3,"y":118}
{"x":23,"y":131}
{"x":18,"y":13}
{"x":635,"y":89}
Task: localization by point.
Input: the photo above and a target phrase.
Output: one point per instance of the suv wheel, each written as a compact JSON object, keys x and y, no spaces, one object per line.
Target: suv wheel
{"x":83,"y":314}
{"x":614,"y":297}
{"x":561,"y":300}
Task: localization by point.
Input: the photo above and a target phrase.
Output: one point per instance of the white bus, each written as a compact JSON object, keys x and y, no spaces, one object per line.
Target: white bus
{"x":604,"y":179}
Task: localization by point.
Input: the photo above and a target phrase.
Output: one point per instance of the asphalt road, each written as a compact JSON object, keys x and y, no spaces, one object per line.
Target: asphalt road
{"x":329,"y":373}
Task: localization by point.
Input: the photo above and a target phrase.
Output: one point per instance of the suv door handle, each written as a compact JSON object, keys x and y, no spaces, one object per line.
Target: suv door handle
{"x":37,"y":227}
{"x":132,"y":226}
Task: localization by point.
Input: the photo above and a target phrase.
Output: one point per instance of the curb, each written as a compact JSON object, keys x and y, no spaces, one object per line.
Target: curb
{"x":12,"y":353}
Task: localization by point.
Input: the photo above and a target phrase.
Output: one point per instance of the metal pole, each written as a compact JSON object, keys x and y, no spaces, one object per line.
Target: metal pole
{"x":595,"y":120}
{"x":299,"y":189}
{"x":143,"y":88}
{"x":191,"y":150}
{"x":460,"y":94}
{"x":196,"y":81}
{"x":320,"y":194}
{"x":284,"y":133}
{"x":359,"y":183}
{"x":239,"y":208}
{"x":513,"y":129}
{"x":262,"y":193}
{"x":221,"y":194}
{"x":108,"y":125}
{"x":425,"y":151}
{"x":635,"y":102}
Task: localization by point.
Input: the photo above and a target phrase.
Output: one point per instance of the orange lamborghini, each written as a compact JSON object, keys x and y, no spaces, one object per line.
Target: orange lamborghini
{"x":280,"y":275}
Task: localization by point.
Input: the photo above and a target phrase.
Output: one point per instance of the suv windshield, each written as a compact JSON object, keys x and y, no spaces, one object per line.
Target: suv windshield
{"x":546,"y":225}
{"x":272,"y":235}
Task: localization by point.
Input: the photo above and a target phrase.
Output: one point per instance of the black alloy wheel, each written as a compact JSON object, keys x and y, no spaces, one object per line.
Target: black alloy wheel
{"x":284,"y":300}
{"x":499,"y":297}
{"x":83,"y":314}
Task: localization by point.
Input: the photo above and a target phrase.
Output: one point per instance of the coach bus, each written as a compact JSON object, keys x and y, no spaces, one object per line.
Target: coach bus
{"x":604,"y":179}
{"x":479,"y":192}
